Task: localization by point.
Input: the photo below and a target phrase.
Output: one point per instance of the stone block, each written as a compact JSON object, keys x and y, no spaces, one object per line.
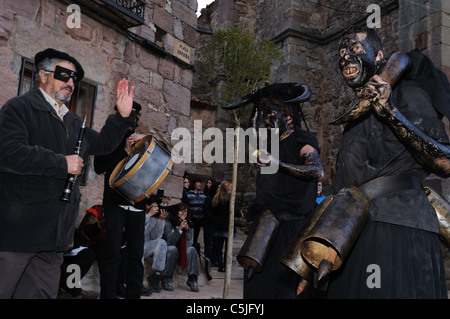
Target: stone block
{"x":166,"y":68}
{"x":139,"y":73}
{"x":163,"y":19}
{"x":190,"y":36}
{"x":147,"y":93}
{"x":27,"y":9}
{"x":177,"y":97}
{"x":148,"y":61}
{"x":182,"y":12}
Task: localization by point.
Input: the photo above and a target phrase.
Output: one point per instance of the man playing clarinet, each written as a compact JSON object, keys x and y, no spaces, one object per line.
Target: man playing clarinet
{"x":38,"y":137}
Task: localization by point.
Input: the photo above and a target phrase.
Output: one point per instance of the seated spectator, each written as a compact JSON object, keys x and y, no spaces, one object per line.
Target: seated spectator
{"x":179,"y":234}
{"x":154,"y":245}
{"x":79,"y":256}
{"x":93,"y":230}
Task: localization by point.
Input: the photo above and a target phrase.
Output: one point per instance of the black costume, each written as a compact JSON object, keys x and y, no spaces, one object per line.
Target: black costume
{"x":402,"y":235}
{"x":132,"y":218}
{"x":291,"y":200}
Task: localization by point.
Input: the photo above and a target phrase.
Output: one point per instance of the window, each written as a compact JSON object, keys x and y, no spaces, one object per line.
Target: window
{"x":82,"y":102}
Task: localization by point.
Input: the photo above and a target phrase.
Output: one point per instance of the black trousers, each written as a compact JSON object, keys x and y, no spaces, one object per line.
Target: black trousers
{"x":117,"y":220}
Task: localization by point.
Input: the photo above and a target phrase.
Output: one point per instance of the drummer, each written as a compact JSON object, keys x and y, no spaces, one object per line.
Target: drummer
{"x":121,"y":215}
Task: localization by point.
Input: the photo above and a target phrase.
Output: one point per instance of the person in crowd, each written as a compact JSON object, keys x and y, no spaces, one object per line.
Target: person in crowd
{"x":320,"y":195}
{"x":38,"y":139}
{"x":186,"y":187}
{"x":221,"y":213}
{"x":196,"y":201}
{"x":208,"y":189}
{"x":208,"y":222}
{"x":120,"y":215}
{"x":154,"y":244}
{"x":179,"y":234}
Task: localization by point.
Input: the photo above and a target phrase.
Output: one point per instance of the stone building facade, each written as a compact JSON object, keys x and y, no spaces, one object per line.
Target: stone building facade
{"x":110,"y":46}
{"x":308,"y":32}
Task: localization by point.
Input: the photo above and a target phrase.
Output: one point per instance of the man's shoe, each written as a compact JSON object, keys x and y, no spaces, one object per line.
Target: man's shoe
{"x":193,"y":285}
{"x":153,"y":282}
{"x":89,"y":294}
{"x":146,"y":292}
{"x":84,"y":294}
{"x":167,"y":285}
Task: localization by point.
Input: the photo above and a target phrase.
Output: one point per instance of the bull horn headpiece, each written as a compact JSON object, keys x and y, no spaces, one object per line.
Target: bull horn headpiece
{"x":292,"y":92}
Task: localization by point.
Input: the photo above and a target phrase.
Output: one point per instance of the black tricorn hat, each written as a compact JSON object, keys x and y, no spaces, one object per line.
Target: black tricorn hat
{"x":55,"y":54}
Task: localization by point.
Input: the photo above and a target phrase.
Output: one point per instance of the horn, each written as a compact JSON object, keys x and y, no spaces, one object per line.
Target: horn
{"x":305,"y":96}
{"x":275,"y":89}
{"x":246,"y":99}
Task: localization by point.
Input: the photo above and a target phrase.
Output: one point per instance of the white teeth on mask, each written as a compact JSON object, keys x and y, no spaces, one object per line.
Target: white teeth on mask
{"x":350,"y":70}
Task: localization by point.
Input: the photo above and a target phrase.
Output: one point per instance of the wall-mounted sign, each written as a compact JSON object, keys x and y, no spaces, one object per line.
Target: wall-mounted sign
{"x":182,"y":51}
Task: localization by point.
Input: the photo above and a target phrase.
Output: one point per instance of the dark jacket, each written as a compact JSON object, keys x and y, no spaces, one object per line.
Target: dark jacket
{"x":33,"y":170}
{"x":221,"y":214}
{"x":106,"y":164}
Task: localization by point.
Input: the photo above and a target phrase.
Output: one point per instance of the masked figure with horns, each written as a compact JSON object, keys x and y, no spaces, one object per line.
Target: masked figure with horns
{"x":283,"y":199}
{"x":389,"y":145}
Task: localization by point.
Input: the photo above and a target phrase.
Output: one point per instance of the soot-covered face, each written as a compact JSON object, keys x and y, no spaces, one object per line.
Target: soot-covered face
{"x":275,"y":115}
{"x":358,"y":60}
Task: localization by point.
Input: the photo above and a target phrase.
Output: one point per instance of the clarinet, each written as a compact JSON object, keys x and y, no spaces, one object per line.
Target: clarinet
{"x":71,"y":178}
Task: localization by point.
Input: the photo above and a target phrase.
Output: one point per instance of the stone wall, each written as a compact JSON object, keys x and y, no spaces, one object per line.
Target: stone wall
{"x":162,"y":84}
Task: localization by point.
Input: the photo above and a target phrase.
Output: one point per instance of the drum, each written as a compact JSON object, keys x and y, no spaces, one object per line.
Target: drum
{"x":138,"y":175}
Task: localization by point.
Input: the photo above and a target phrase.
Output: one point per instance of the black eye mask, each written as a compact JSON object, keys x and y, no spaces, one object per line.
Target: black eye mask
{"x":64,"y":74}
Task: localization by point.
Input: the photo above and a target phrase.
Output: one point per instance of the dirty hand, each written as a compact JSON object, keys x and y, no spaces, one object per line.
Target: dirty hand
{"x":378,"y":92}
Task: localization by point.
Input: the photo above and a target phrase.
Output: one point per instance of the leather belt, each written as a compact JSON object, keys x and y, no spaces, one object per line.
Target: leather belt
{"x":388,"y":184}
